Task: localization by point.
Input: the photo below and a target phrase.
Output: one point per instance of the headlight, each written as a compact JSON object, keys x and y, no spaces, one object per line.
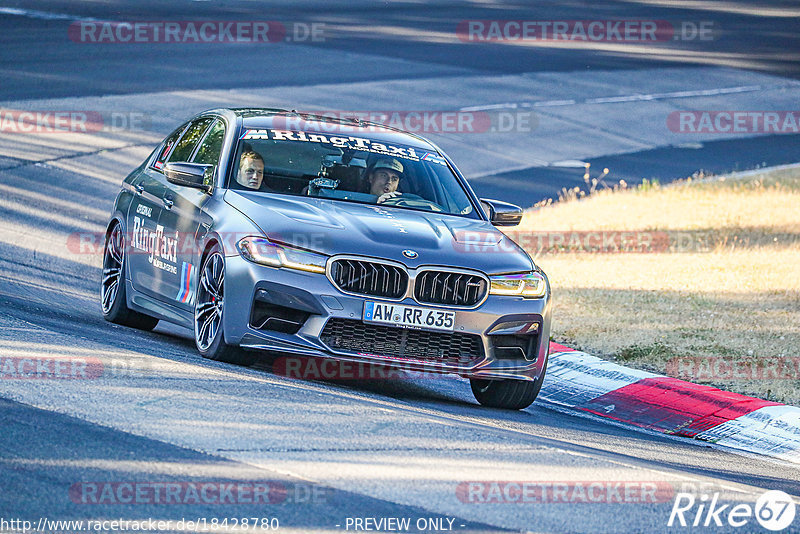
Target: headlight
{"x":265,"y":252}
{"x":531,"y":285}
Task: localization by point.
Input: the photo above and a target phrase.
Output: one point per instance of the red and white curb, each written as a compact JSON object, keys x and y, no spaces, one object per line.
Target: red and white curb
{"x":586,"y":383}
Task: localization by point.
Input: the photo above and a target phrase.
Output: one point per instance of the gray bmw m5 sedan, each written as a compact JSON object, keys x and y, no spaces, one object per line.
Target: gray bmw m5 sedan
{"x":273,"y":230}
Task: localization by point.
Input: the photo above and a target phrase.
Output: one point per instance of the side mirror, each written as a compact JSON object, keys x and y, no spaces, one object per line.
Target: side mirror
{"x":361,"y":163}
{"x":197,"y":175}
{"x":501,"y":213}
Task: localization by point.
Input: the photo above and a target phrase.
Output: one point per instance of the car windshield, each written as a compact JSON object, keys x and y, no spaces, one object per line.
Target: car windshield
{"x":348,"y":169}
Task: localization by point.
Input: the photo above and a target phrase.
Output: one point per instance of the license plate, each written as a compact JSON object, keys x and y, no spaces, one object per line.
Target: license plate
{"x":409,"y":316}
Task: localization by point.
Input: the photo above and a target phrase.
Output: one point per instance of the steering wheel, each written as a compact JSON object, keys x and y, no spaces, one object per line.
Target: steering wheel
{"x":410,"y":200}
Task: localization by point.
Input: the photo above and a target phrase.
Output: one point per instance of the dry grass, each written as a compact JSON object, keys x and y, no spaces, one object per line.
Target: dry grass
{"x":734,"y":308}
{"x":763,"y":201}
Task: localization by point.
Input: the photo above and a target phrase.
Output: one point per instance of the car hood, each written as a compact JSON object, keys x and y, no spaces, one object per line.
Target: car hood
{"x":337,"y":227}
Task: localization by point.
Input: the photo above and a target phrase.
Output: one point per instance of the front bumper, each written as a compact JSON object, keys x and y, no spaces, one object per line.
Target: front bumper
{"x":520,"y":326}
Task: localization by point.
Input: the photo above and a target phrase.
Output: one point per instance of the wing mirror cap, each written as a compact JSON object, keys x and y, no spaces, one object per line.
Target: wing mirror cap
{"x":197,"y":175}
{"x":501,"y":213}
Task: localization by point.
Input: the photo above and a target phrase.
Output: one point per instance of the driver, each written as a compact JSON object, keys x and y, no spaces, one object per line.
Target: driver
{"x":251,"y":169}
{"x":384,"y":179}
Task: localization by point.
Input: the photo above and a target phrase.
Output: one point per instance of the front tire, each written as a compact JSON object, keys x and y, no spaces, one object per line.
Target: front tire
{"x":113,"y":301}
{"x":209,"y":310}
{"x":506,"y":394}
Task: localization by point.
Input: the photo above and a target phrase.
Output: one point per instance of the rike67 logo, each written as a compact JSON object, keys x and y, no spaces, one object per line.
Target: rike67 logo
{"x":774,"y":510}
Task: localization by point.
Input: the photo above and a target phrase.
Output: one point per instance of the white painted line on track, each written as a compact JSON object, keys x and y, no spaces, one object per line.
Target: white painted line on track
{"x":43,"y":15}
{"x":631,"y":98}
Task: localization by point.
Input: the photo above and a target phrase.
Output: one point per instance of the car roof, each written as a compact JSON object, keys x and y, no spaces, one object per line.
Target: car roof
{"x":266,"y":118}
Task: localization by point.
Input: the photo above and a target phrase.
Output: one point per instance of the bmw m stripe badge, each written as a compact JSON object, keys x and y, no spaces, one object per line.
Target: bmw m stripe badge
{"x":185,"y":292}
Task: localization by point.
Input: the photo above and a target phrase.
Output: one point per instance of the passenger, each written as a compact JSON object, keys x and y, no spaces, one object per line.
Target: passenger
{"x":251,"y":169}
{"x":384,"y":178}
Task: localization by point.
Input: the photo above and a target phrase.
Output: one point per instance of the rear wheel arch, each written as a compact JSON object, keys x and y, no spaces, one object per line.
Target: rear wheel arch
{"x":118,"y":311}
{"x":115,"y":220}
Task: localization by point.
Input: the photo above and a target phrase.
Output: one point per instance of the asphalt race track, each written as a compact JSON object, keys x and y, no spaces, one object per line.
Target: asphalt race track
{"x":151,"y":411}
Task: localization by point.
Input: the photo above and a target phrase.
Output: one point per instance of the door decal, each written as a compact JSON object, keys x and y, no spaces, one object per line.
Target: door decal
{"x":185,"y":292}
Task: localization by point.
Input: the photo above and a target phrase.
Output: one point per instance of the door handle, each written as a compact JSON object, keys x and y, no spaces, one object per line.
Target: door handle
{"x":168,"y":203}
{"x":139,"y":189}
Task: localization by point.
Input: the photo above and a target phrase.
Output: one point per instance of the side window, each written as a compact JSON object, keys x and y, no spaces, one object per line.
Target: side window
{"x":209,"y":150}
{"x":168,"y":144}
{"x":185,"y":147}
